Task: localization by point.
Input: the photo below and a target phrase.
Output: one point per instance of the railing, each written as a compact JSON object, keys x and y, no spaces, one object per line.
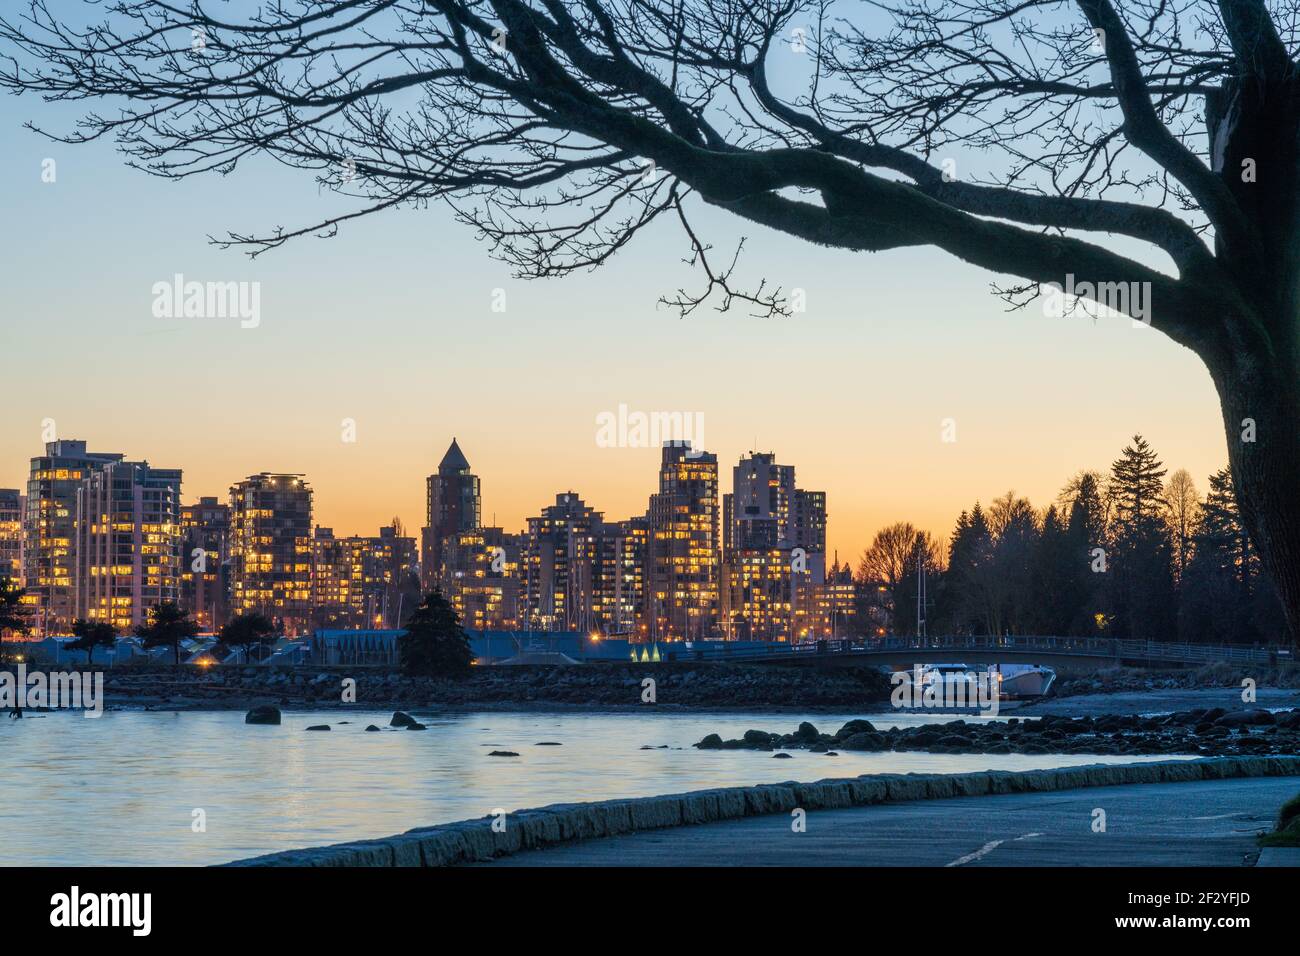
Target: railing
{"x":1071,"y":646}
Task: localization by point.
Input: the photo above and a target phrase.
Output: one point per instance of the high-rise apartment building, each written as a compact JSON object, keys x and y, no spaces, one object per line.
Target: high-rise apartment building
{"x":271,"y":549}
{"x":336,"y":593}
{"x":623,"y":548}
{"x":11,"y":534}
{"x":555,"y":564}
{"x":809,"y":532}
{"x":774,"y":547}
{"x":828,"y":609}
{"x":453,"y":504}
{"x":49,"y":563}
{"x":392,"y":561}
{"x":758,"y":594}
{"x":205,"y":562}
{"x":761,"y":509}
{"x":358,"y":581}
{"x":480,"y":576}
{"x":682,"y":580}
{"x":127,"y":542}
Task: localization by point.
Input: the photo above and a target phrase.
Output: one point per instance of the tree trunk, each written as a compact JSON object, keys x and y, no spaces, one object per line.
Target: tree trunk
{"x":1266,"y":469}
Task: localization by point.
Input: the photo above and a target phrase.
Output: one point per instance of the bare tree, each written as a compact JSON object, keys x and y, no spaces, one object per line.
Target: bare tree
{"x":1183,"y":514}
{"x":887,"y":558}
{"x":1010,"y":510}
{"x":560,"y":128}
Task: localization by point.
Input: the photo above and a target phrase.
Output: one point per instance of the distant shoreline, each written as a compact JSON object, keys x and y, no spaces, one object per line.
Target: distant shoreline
{"x":677,"y":687}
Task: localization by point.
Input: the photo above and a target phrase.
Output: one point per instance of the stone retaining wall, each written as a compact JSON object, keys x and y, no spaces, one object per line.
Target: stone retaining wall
{"x":471,"y":841}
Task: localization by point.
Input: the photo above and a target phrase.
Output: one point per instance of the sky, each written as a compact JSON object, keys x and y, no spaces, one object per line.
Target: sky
{"x":391,"y":325}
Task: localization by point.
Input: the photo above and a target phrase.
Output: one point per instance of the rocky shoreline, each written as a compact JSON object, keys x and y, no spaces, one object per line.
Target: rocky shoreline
{"x":1213,"y":732}
{"x":1120,"y":680}
{"x":605,"y":686}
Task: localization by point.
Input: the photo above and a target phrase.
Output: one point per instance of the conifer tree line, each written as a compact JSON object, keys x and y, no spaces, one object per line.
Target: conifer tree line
{"x":1136,"y":553}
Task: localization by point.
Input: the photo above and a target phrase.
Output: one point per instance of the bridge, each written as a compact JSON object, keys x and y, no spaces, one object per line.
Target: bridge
{"x":905,"y":651}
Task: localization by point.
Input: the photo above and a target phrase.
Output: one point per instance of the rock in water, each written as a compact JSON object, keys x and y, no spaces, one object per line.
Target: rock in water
{"x":855,"y":727}
{"x":780,"y":756}
{"x":863,"y":741}
{"x":319,"y":727}
{"x":372,"y":729}
{"x":401,"y":719}
{"x":416,"y":725}
{"x":806,"y":732}
{"x":1246,"y":718}
{"x":503,"y":753}
{"x":711,"y":742}
{"x":265,"y":714}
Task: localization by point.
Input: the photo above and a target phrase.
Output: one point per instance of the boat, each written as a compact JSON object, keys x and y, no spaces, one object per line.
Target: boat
{"x":1014,"y":681}
{"x":1021,"y":681}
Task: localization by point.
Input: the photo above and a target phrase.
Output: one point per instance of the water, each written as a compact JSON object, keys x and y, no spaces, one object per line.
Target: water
{"x":122,"y":789}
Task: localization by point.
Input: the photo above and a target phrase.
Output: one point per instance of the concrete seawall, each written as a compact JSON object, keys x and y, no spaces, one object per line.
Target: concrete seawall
{"x":471,"y":841}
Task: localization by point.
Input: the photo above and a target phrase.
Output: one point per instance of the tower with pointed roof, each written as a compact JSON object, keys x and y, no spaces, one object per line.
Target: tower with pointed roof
{"x":454,"y":504}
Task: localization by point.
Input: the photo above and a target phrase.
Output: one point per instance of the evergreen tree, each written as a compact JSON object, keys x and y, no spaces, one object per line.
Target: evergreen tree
{"x":1224,"y":596}
{"x":1015,"y":526}
{"x":1140,"y":564}
{"x":1087,"y":532}
{"x":434,"y":644}
{"x":1059,"y":579}
{"x":965,"y":605}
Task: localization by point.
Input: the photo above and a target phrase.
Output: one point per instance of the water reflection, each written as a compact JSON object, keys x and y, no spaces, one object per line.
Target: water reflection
{"x":122,"y":789}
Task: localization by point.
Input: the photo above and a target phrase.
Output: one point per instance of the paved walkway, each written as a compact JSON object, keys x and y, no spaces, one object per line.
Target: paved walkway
{"x":1205,"y":823}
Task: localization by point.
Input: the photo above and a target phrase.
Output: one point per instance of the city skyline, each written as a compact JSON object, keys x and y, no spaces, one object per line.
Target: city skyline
{"x":109,"y":539}
{"x":509,"y":499}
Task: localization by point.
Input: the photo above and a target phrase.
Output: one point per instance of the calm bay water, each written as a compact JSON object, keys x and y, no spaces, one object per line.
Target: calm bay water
{"x":121,"y":790}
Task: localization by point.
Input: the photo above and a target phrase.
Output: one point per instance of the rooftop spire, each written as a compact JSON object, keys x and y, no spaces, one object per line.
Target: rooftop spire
{"x":454,"y":460}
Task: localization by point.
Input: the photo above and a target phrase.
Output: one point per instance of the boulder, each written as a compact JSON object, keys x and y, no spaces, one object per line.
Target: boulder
{"x":921,"y":738}
{"x":863,"y":741}
{"x":711,"y":742}
{"x":416,"y":725}
{"x":855,"y":727}
{"x":503,"y":753}
{"x":1246,"y":718}
{"x":401,"y":719}
{"x":372,"y":729}
{"x":319,"y":727}
{"x":807,"y":732}
{"x":265,"y":714}
{"x":781,"y":756}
